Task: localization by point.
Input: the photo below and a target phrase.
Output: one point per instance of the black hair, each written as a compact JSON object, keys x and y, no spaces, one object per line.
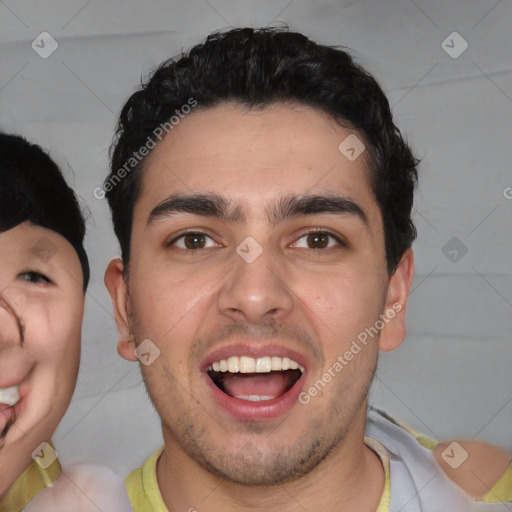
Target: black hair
{"x":257,"y":68}
{"x":33,"y":189}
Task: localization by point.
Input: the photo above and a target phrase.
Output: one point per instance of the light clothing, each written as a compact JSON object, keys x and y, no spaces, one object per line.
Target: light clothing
{"x":30,"y":483}
{"x":83,"y":488}
{"x":79,"y":488}
{"x":502,"y":491}
{"x":145,"y":494}
{"x":417,"y":482}
{"x":414,"y":482}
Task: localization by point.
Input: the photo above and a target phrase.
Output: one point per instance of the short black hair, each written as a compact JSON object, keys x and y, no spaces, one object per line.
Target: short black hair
{"x":33,"y":189}
{"x":257,"y":68}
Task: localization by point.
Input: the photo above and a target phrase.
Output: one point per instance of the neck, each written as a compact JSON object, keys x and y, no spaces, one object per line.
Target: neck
{"x":350,"y":478}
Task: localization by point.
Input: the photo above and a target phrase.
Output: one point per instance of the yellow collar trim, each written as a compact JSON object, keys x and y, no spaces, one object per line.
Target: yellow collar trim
{"x":383,"y":455}
{"x":502,"y":490}
{"x":31,"y":482}
{"x":145,"y":495}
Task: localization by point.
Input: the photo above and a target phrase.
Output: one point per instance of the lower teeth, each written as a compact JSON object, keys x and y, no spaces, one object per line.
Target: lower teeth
{"x":255,"y":398}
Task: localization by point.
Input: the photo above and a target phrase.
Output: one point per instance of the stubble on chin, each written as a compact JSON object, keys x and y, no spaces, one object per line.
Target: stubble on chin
{"x":259,"y":462}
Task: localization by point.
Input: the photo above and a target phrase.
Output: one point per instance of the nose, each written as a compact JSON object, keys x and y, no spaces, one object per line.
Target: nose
{"x":15,"y":359}
{"x":10,"y":324}
{"x":255,"y":289}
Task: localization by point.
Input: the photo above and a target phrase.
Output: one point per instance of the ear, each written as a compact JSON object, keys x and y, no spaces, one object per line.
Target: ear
{"x":394,"y":331}
{"x":116,"y":286}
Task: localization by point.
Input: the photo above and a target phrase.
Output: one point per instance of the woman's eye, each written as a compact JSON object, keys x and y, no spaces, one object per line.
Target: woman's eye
{"x":192,"y":241}
{"x":34,"y":277}
{"x":318,"y":240}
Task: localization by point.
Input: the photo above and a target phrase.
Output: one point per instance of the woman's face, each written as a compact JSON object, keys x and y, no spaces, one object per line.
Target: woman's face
{"x":41,"y":309}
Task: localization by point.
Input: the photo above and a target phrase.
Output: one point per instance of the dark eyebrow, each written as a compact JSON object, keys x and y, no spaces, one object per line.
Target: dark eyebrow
{"x":205,"y":205}
{"x":296,"y":205}
{"x":214,"y":205}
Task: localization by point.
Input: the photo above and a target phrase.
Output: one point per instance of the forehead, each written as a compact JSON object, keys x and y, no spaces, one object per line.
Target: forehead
{"x":23,"y":240}
{"x":28,"y":244}
{"x":254,"y":155}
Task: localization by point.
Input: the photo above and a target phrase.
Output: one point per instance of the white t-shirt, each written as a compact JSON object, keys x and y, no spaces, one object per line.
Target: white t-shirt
{"x":417,"y":482}
{"x":83,"y":488}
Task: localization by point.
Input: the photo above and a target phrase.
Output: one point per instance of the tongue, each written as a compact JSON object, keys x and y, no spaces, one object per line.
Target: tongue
{"x":262,"y":384}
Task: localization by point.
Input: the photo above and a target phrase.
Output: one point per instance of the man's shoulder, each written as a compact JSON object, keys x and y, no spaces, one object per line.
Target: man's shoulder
{"x":483,"y":472}
{"x":142,"y":485}
{"x":479,"y":468}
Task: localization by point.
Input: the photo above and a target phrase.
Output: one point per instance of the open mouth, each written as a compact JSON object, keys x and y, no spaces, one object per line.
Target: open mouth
{"x":252,"y":379}
{"x":9,"y":398}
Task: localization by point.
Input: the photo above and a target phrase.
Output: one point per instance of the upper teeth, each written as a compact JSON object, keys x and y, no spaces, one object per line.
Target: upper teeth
{"x":9,"y":396}
{"x":247,"y":364}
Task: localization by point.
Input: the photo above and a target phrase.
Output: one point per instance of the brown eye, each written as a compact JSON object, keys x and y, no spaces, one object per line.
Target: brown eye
{"x":319,"y":240}
{"x":192,"y":241}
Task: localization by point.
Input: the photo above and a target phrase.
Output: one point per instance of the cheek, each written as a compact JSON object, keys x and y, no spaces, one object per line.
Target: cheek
{"x":342,"y":299}
{"x":169,"y":301}
{"x":341,"y":306}
{"x":53,"y":333}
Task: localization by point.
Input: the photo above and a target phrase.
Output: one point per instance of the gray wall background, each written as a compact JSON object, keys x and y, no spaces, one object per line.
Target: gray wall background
{"x":452,"y":377}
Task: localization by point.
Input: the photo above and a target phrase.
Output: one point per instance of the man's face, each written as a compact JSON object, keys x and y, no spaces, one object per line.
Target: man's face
{"x":247,"y":291}
{"x":41,"y":309}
